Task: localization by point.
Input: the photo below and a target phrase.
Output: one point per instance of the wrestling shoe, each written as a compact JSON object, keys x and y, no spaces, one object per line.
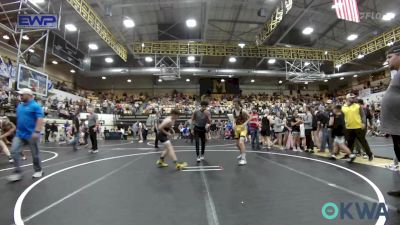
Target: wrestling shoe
{"x":180,"y":166}
{"x":242,"y":162}
{"x":161,"y":163}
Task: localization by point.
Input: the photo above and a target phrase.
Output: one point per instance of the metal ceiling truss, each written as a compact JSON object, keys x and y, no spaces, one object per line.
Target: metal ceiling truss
{"x":90,"y":16}
{"x":276,"y":18}
{"x":377,"y":43}
{"x":300,"y":71}
{"x":168,"y":67}
{"x":220,"y":49}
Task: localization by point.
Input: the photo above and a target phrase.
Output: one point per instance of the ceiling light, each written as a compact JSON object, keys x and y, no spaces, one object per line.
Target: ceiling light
{"x":72,"y":71}
{"x":308,"y":30}
{"x":325,"y":81}
{"x":148,"y":59}
{"x":37,"y":1}
{"x":109,"y":60}
{"x":241,"y":45}
{"x":160,"y":80}
{"x":129,"y":80}
{"x":342,"y":78}
{"x":31,"y":50}
{"x":6,"y":37}
{"x":306,"y":82}
{"x":70,"y":27}
{"x":222,"y":80}
{"x":352,"y":37}
{"x":338,"y":66}
{"x":142,"y":45}
{"x":93,"y":46}
{"x":191,"y":23}
{"x":25,"y":37}
{"x":355,"y":75}
{"x":388,"y":16}
{"x":271,"y":61}
{"x":306,"y":63}
{"x":187,"y":80}
{"x":232,"y":59}
{"x":252,"y":81}
{"x":54,"y":62}
{"x":230,"y":76}
{"x":360,"y":56}
{"x":280,"y":82}
{"x":128,"y":23}
{"x":105,"y":78}
{"x":390,"y":43}
{"x":326,"y":53}
{"x":191,"y":58}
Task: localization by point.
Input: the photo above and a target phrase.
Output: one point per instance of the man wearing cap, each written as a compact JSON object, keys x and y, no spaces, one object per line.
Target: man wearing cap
{"x":29,"y":125}
{"x":354,"y":117}
{"x":390,"y":106}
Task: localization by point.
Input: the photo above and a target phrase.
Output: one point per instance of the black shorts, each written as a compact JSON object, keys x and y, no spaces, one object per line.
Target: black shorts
{"x":162,"y":137}
{"x":265,"y":133}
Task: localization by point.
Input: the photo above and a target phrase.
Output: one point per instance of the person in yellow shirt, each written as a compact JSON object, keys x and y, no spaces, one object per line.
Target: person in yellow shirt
{"x":354,"y":117}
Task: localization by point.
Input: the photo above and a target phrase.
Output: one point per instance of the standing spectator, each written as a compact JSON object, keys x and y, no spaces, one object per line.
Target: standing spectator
{"x":140,"y":131}
{"x":353,"y":115}
{"x":254,"y":126}
{"x":93,"y":123}
{"x":308,"y":120}
{"x":296,"y":122}
{"x":29,"y":126}
{"x":47,"y":131}
{"x":85,"y":131}
{"x":54,"y":131}
{"x":390,"y":106}
{"x":367,"y":120}
{"x":75,"y":130}
{"x":323,"y":118}
{"x":266,"y":130}
{"x":201,"y":119}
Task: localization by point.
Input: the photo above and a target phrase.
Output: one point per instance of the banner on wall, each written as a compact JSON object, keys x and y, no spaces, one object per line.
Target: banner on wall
{"x":364,"y":93}
{"x":218,"y":86}
{"x":6,"y":68}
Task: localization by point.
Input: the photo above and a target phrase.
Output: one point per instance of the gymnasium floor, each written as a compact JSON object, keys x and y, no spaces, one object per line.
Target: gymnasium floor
{"x":122,"y":185}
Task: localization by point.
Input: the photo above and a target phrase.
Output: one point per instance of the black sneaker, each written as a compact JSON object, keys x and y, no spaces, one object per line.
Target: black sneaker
{"x":370,"y":158}
{"x":351,"y":158}
{"x":332,"y":157}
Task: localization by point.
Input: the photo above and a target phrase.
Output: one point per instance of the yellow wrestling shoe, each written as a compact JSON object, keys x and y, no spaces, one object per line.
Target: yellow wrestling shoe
{"x":161,"y":163}
{"x":180,"y":166}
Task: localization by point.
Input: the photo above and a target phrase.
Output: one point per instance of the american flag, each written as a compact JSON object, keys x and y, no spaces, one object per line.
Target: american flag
{"x":347,"y":10}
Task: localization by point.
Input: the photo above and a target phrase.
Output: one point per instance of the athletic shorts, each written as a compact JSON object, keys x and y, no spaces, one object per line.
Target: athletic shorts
{"x":240,"y":131}
{"x":339,"y":140}
{"x":295,"y":133}
{"x":162,"y":137}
